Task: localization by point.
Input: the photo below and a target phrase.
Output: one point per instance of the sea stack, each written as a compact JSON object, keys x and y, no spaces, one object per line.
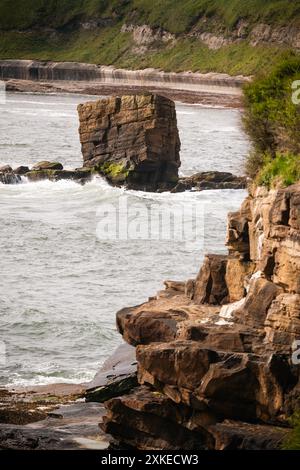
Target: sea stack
{"x":132,"y":140}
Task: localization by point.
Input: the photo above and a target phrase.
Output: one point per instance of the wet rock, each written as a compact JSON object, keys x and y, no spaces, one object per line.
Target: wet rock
{"x":70,"y":427}
{"x":45,"y":165}
{"x":132,"y":140}
{"x":6,"y":169}
{"x":210,"y":180}
{"x":9,"y":178}
{"x":80,"y":176}
{"x":21,"y":170}
{"x":117,"y":376}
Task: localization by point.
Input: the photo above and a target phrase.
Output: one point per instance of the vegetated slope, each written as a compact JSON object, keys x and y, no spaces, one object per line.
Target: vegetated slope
{"x":272,"y":120}
{"x":233,"y":36}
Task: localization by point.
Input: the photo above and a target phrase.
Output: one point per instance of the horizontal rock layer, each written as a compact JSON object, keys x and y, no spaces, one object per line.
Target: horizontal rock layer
{"x":72,"y":71}
{"x":131,"y":140}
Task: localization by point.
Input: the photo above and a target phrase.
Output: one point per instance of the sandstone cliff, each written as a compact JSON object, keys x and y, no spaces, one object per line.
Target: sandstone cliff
{"x":132,"y":140}
{"x":215,"y":354}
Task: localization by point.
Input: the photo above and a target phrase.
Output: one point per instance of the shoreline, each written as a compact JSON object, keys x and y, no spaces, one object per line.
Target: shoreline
{"x":211,"y":89}
{"x":209,"y":99}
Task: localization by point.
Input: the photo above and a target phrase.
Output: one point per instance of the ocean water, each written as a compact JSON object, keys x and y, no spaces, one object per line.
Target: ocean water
{"x":62,"y":280}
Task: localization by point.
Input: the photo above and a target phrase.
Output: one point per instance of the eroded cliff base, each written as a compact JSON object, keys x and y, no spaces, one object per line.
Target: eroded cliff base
{"x":216,"y":354}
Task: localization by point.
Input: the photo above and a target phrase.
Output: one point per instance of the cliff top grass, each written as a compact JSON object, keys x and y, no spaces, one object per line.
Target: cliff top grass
{"x":292,"y":442}
{"x":283,"y":170}
{"x":272,"y":120}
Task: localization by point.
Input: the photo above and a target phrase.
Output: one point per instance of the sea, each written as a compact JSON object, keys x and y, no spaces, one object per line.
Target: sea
{"x":66,"y":264}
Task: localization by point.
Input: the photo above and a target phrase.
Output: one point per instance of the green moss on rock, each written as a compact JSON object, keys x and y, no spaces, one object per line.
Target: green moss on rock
{"x":113,"y":171}
{"x":292,"y":442}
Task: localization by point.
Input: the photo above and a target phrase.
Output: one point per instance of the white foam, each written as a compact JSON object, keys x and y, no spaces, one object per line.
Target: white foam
{"x":229,"y":309}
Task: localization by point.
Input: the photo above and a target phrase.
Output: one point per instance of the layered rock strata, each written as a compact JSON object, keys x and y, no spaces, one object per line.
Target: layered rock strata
{"x":217,"y":367}
{"x":132,"y":140}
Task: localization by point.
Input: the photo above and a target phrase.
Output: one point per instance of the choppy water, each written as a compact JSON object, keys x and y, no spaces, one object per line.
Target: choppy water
{"x":60,"y":285}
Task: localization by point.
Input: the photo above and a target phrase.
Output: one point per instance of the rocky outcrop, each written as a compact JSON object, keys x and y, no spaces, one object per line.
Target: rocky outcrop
{"x":52,"y":171}
{"x":146,"y":37}
{"x":210,"y":180}
{"x":7,"y":175}
{"x":56,"y":417}
{"x":214,"y":354}
{"x":257,"y":34}
{"x":117,"y":376}
{"x":131,"y":140}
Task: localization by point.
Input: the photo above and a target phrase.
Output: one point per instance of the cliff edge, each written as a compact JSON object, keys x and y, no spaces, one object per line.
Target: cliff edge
{"x":217,"y":366}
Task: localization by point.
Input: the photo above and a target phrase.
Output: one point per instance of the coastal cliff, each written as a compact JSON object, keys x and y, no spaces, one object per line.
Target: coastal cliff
{"x":215,"y":353}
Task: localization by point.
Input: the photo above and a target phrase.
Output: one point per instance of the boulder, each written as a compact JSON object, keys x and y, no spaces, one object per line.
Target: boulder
{"x":210,"y":285}
{"x":21,"y":170}
{"x":9,"y":178}
{"x":45,"y":165}
{"x":147,"y":420}
{"x":80,"y":176}
{"x":144,"y":325}
{"x":132,"y":140}
{"x":6,"y":169}
{"x":180,"y":363}
{"x":257,"y":302}
{"x":210,"y":180}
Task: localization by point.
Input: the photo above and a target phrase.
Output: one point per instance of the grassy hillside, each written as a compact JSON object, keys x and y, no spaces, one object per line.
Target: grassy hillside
{"x":176,"y":16}
{"x":52,"y":29}
{"x":272,"y":120}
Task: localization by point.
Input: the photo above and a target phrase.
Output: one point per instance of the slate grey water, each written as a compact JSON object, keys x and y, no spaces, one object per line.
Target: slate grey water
{"x":60,"y":285}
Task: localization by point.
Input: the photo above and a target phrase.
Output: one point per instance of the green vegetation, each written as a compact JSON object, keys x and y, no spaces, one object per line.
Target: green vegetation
{"x":50,"y":30}
{"x":113,"y":171}
{"x":282,"y":170}
{"x":272,"y":121}
{"x":176,"y":16}
{"x":110,"y":48}
{"x":293,"y":440}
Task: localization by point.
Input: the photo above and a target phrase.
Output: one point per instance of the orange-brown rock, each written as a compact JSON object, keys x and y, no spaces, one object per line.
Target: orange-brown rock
{"x":237,"y":272}
{"x":221,"y":345}
{"x":210,"y":285}
{"x":131,"y":140}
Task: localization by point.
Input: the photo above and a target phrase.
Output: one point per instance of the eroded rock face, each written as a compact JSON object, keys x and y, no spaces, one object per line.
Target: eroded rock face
{"x":210,"y":285}
{"x":132,"y":140}
{"x":220,"y":346}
